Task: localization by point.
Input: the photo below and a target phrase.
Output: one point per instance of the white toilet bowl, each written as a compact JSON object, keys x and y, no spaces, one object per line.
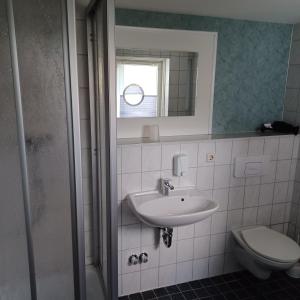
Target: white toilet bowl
{"x":262,"y":250}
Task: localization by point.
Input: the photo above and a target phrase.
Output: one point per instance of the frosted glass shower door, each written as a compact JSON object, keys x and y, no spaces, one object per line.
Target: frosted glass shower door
{"x":14,"y":271}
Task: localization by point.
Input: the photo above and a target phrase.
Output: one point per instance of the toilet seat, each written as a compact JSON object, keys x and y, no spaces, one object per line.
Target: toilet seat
{"x":271,"y":244}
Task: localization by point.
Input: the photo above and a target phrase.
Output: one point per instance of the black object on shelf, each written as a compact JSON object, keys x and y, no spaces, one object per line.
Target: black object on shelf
{"x":280,"y":127}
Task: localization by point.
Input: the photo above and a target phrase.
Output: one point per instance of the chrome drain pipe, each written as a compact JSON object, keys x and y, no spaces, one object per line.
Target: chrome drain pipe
{"x":167,"y":235}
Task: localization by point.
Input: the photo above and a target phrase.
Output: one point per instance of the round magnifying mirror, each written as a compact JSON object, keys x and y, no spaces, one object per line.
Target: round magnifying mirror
{"x":133,"y":94}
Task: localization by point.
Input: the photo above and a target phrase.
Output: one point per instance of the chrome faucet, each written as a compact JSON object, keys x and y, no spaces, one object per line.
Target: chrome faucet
{"x":166,"y":186}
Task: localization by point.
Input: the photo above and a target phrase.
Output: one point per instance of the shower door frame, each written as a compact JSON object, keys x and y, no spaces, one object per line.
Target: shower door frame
{"x":110,"y":149}
{"x":74,"y":149}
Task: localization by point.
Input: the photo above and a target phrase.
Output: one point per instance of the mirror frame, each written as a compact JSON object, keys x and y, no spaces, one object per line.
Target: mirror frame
{"x":205,"y":45}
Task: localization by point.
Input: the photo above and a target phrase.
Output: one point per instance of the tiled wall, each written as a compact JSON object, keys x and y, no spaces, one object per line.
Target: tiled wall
{"x":84,"y":126}
{"x":202,"y":249}
{"x":292,"y":114}
{"x":251,"y":67}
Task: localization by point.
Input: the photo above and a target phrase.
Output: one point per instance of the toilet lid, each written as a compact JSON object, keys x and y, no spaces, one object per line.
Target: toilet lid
{"x":271,"y":244}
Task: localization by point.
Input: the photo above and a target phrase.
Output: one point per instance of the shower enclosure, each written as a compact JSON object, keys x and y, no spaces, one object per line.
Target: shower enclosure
{"x":41,"y":207}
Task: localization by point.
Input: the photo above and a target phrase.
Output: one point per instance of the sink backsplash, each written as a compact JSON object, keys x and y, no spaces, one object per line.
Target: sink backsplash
{"x":203,"y":249}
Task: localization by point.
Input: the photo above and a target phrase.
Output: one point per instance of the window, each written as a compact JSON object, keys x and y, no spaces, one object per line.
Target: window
{"x":141,"y":87}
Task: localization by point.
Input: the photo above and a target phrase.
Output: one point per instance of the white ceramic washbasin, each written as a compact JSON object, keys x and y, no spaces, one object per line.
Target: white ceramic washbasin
{"x":181,"y":207}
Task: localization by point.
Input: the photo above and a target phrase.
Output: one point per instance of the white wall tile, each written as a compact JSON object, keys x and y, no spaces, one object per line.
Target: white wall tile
{"x":278,"y":227}
{"x":251,"y":195}
{"x":264,"y":215}
{"x":266,"y":194}
{"x":184,"y":271}
{"x":194,"y":246}
{"x":230,"y":242}
{"x":189,"y":179}
{"x":185,"y":232}
{"x":271,"y":172}
{"x":256,"y":146}
{"x":221,"y":176}
{"x":168,"y":153}
{"x":219,"y":222}
{"x":151,"y":157}
{"x":128,"y":217}
{"x":236,"y":197}
{"x":153,"y":257}
{"x":131,"y":159}
{"x":231,"y":264}
{"x":201,"y":247}
{"x":151,"y":181}
{"x":149,"y":279}
{"x":296,"y":147}
{"x":283,"y":170}
{"x":149,"y":235}
{"x":167,"y":275}
{"x":249,"y":216}
{"x":204,"y":149}
{"x":223,"y":152}
{"x":253,"y":180}
{"x":191,"y":150}
{"x":205,"y":178}
{"x":221,"y":197}
{"x":293,"y":76}
{"x":280,"y":192}
{"x":293,"y":169}
{"x":216,"y":265}
{"x":234,"y":219}
{"x":239,"y":148}
{"x":131,"y":283}
{"x":217,"y":244}
{"x":271,"y":147}
{"x":290,"y":192}
{"x":126,"y":267}
{"x":203,"y":228}
{"x":235,"y":181}
{"x":131,"y":183}
{"x":185,"y":249}
{"x":82,"y":63}
{"x":131,"y":236}
{"x":200,"y":268}
{"x":167,"y":256}
{"x":285,"y":149}
{"x":278,"y":213}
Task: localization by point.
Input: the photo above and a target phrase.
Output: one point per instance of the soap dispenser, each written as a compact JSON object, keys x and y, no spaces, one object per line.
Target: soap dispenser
{"x":180,"y":165}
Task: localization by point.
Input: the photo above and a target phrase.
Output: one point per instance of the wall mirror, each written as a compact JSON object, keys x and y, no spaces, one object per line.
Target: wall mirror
{"x":155,"y":83}
{"x":164,"y":77}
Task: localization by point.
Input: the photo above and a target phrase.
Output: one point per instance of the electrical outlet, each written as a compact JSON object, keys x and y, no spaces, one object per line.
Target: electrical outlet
{"x":210,"y":157}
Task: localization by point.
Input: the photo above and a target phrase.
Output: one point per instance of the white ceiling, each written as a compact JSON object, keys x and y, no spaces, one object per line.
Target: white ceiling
{"x":281,"y":11}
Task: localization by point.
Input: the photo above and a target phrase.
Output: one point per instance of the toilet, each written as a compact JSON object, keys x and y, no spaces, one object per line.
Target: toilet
{"x":261,"y":250}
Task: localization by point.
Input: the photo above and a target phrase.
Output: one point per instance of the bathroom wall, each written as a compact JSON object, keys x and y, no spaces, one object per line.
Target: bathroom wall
{"x":203,"y":249}
{"x":292,"y":94}
{"x":252,"y":61}
{"x":84,"y":125}
{"x":292,"y":114}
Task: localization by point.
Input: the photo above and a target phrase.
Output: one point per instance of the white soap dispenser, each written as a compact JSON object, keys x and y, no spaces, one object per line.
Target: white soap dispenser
{"x":180,"y":165}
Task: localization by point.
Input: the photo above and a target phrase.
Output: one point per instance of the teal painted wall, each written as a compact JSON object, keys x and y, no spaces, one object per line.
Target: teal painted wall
{"x":252,"y":62}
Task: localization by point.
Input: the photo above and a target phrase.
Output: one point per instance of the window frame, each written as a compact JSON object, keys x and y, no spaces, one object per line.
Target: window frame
{"x":163,"y":64}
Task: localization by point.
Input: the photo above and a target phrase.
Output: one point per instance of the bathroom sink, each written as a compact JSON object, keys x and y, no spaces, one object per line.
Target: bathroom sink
{"x":181,"y":207}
